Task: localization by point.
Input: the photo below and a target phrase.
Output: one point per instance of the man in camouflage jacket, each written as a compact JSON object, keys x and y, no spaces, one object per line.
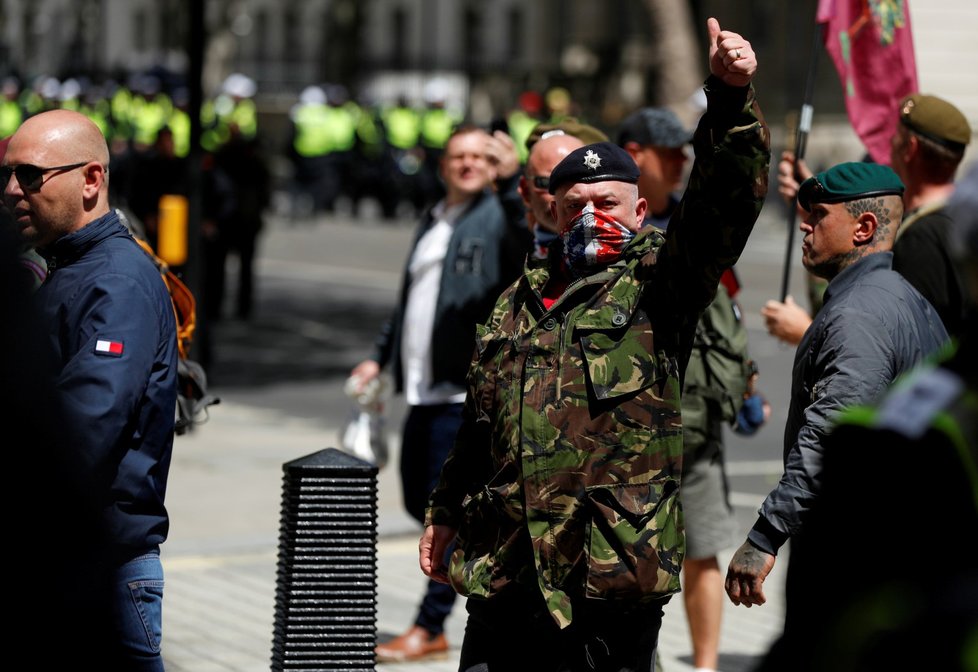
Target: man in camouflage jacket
{"x":563,"y":486}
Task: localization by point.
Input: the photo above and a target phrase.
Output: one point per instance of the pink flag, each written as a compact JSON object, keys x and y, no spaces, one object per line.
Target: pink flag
{"x":872,"y":48}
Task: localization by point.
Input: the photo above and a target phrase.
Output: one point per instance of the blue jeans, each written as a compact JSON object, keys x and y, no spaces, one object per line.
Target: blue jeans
{"x":429,"y":434}
{"x":137,"y":612}
{"x":428,"y":437}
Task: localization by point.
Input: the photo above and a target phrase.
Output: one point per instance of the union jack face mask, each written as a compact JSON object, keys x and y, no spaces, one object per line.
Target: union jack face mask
{"x":592,"y":239}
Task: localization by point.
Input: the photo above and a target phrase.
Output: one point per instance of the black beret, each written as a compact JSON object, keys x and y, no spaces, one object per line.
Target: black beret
{"x":597,"y":162}
{"x":849,"y":182}
{"x":937,"y":119}
{"x":655,"y":126}
{"x":566,"y":126}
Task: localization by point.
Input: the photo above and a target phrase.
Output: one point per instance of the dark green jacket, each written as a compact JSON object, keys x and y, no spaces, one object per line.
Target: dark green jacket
{"x":716,"y":376}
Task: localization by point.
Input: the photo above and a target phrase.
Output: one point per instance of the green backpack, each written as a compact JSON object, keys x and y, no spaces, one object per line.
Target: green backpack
{"x":719,"y":367}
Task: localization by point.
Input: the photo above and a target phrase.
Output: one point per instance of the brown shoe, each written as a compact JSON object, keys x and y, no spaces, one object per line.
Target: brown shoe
{"x":415,"y":644}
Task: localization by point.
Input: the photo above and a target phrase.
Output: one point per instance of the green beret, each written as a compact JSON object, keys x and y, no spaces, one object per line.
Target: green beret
{"x":566,"y":126}
{"x":598,"y":162}
{"x":935,"y":119}
{"x":849,"y":182}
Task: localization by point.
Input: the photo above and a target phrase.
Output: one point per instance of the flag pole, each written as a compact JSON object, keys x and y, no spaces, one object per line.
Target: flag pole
{"x":801,"y":138}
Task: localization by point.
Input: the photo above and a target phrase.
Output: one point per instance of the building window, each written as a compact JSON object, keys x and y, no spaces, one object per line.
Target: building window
{"x":399,"y":34}
{"x":470,"y":37}
{"x":140,"y":29}
{"x":29,"y":44}
{"x":514,"y":33}
{"x":290,"y":33}
{"x":261,"y":36}
{"x":169,"y":36}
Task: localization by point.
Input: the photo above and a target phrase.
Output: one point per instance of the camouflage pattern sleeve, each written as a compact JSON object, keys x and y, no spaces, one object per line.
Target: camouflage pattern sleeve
{"x":726,"y":190}
{"x":461,"y":474}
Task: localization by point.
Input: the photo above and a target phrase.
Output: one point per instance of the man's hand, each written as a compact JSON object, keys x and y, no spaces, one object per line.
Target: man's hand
{"x":791,"y":174}
{"x":364,"y":372}
{"x":431,"y":551}
{"x":748,"y":568}
{"x":732,"y":60}
{"x":502,"y":154}
{"x":786,"y":321}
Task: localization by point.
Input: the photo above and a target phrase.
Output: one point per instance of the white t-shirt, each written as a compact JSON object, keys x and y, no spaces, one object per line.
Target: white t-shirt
{"x":424,"y":276}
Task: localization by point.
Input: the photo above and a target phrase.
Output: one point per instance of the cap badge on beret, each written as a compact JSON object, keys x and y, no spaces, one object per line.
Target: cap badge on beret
{"x":935,"y":119}
{"x":597,"y":162}
{"x":591,"y":160}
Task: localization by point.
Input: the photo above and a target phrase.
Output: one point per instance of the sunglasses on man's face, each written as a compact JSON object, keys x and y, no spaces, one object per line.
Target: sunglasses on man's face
{"x":31,"y":178}
{"x":541,"y":182}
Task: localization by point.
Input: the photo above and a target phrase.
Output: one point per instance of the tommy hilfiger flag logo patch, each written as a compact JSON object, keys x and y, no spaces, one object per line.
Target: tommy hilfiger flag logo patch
{"x":113,"y":348}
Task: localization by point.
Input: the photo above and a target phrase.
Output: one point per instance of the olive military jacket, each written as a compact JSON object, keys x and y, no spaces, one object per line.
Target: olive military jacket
{"x":565,"y":474}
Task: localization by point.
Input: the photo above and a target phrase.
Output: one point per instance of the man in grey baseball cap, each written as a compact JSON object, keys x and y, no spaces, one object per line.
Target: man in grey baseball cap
{"x":656,"y":140}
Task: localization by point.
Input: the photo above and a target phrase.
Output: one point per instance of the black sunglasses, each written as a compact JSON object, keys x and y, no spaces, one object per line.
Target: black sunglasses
{"x":31,"y":178}
{"x":541,"y":182}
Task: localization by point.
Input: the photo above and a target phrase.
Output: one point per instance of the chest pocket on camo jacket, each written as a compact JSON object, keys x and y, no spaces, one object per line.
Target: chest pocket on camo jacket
{"x":634,"y":540}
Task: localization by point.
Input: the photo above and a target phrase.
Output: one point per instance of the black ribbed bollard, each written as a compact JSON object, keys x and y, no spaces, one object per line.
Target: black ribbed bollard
{"x":326,"y":586}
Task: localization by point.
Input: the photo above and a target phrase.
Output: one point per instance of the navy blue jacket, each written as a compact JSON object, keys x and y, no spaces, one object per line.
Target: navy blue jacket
{"x":872,"y":327}
{"x":112,"y":342}
{"x":485,"y":255}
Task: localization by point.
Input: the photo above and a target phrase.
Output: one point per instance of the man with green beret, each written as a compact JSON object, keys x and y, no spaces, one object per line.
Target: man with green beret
{"x":873,"y":326}
{"x":925,"y":152}
{"x":898,"y":473}
{"x":562,"y":488}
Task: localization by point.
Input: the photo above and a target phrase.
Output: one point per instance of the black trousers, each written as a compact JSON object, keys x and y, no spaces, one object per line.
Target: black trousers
{"x":513,"y":631}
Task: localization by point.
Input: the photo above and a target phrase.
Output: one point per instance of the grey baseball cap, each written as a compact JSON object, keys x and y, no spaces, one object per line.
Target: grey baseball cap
{"x":656,"y":126}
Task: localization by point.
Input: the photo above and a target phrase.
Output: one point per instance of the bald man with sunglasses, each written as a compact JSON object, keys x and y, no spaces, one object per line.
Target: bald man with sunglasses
{"x":110,"y":350}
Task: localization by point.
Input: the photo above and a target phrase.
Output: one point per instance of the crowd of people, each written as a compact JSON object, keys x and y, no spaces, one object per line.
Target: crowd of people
{"x":532,"y":517}
{"x":508,"y":445}
{"x":338,"y":147}
{"x":388,"y":151}
{"x":147,"y":128}
{"x":569,"y":343}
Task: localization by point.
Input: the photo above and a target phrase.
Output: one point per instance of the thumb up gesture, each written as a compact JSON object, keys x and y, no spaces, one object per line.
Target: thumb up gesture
{"x":732,"y":60}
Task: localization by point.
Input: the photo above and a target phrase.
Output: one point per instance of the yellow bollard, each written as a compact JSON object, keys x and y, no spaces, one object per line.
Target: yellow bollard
{"x":171,"y":234}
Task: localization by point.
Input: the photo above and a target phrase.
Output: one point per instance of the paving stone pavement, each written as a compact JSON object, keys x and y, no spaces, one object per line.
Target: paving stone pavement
{"x":224,"y":497}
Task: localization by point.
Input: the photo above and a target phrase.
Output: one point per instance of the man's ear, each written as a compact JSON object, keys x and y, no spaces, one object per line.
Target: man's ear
{"x":641,"y":207}
{"x":633,"y":149}
{"x":864,"y":229}
{"x":94,"y":178}
{"x":912,"y":147}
